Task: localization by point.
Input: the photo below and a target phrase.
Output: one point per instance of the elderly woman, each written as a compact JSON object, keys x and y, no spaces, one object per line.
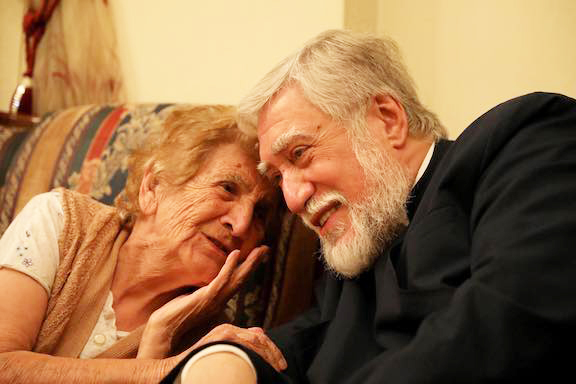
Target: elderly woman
{"x":81,"y":280}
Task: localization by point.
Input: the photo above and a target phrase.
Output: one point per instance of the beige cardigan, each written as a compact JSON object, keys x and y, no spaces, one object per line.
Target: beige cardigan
{"x":89,"y":244}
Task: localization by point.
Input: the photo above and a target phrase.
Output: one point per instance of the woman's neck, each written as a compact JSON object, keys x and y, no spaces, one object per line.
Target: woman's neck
{"x":146,"y":277}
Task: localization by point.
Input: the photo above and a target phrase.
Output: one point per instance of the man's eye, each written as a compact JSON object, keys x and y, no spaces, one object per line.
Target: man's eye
{"x":276,"y":179}
{"x":298,"y":152}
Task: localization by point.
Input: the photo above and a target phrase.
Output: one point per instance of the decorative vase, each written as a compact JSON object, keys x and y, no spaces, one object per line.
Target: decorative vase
{"x":21,"y":102}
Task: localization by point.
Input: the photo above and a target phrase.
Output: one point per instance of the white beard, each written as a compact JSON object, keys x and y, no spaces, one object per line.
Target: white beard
{"x":375,"y":219}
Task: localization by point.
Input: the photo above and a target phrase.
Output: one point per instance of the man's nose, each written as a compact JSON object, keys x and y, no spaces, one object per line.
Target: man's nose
{"x":296,"y":192}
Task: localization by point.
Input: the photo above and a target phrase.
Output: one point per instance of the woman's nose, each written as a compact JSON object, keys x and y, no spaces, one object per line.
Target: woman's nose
{"x":239,"y":218}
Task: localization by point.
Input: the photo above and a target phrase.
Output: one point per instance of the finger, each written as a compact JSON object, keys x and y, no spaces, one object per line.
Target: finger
{"x":253,"y":338}
{"x":276,"y":355}
{"x":248,"y":265}
{"x":226,"y":272}
{"x":262,"y":345}
{"x":219,"y":333}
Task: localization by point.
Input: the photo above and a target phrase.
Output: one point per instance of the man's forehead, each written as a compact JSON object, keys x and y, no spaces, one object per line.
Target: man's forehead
{"x":286,"y":106}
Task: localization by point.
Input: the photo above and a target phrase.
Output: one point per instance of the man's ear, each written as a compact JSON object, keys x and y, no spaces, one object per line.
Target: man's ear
{"x":392,"y":119}
{"x":148,"y":195}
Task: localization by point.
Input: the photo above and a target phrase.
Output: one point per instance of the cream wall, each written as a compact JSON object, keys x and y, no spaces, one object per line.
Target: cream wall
{"x":468,"y":55}
{"x":191,"y":51}
{"x":211,"y":51}
{"x":465,"y":55}
{"x":11,"y":48}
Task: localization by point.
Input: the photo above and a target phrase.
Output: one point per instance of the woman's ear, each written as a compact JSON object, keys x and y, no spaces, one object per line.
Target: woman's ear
{"x":148,"y":195}
{"x":392,"y":117}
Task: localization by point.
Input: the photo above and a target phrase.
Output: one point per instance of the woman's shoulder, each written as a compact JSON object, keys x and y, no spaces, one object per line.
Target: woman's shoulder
{"x":30,"y":243}
{"x":51,"y":201}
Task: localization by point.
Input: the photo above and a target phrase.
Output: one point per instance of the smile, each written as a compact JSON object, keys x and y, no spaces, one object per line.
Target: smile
{"x":219,"y":244}
{"x":320,"y":217}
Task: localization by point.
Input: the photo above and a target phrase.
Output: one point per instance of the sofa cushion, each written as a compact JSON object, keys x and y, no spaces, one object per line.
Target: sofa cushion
{"x":86,"y":149}
{"x":11,"y":138}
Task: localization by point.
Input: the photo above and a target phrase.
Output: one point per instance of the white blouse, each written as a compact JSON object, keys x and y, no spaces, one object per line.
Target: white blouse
{"x":30,"y":245}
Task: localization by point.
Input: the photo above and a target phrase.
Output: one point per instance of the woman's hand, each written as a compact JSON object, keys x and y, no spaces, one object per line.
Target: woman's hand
{"x":253,"y":338}
{"x":180,"y":314}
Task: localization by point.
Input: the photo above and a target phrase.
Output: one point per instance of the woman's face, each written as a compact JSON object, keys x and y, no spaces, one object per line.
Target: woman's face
{"x":221,"y":209}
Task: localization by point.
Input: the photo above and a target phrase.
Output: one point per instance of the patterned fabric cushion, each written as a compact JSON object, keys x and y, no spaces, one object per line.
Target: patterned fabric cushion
{"x":86,"y":149}
{"x":10,"y":140}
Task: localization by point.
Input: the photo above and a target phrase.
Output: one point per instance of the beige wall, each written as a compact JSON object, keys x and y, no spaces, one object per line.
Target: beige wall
{"x":191,"y":51}
{"x":468,"y":55}
{"x":212,"y":51}
{"x":465,"y":55}
{"x":11,"y":48}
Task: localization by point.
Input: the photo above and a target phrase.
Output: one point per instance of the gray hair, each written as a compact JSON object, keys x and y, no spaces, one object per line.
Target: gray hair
{"x":339,"y":72}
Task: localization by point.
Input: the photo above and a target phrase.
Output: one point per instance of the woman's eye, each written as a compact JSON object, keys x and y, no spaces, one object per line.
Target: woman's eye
{"x":229,"y":187}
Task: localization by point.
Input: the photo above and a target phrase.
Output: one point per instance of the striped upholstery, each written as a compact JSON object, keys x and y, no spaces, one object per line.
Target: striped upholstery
{"x":85,"y":149}
{"x":10,"y":140}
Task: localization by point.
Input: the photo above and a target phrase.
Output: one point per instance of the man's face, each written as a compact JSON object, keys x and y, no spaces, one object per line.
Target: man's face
{"x":324,"y":182}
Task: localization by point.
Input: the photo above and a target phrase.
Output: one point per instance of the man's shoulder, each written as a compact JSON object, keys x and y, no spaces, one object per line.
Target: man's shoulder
{"x":506,"y":119}
{"x":530,"y":123}
{"x":536,"y":98}
{"x":523,"y":110}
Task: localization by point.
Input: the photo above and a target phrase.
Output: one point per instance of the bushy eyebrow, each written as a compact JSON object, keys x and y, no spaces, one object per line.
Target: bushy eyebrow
{"x":262,"y":168}
{"x":266,"y":170}
{"x":286,"y":138}
{"x":280,"y":144}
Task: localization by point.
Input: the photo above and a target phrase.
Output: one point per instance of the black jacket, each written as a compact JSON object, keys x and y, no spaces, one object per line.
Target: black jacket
{"x":482,"y":285}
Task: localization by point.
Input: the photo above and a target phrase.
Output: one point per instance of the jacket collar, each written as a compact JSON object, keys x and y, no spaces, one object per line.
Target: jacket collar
{"x":417,"y":192}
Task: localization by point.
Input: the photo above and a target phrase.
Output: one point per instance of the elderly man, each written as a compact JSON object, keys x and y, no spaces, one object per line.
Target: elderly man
{"x":450,"y":262}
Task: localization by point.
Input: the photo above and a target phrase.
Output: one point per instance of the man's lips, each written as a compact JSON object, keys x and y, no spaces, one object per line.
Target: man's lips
{"x":319,"y":218}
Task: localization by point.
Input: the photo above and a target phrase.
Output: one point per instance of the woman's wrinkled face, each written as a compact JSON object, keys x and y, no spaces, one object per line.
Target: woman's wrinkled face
{"x":222,"y":208}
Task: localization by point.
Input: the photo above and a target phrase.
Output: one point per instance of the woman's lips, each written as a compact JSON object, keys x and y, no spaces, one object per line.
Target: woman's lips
{"x":226,"y":249}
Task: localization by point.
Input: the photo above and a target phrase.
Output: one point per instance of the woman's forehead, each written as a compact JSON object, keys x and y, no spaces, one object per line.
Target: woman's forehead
{"x":233,"y":163}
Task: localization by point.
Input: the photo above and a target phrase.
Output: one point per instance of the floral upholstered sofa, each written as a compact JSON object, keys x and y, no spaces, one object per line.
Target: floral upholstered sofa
{"x":85,"y":149}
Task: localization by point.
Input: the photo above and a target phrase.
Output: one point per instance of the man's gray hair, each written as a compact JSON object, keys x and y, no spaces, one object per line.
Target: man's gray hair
{"x":339,"y":72}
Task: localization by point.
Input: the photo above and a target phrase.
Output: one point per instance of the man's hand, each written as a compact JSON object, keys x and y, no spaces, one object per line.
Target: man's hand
{"x":182,"y":313}
{"x":252,"y":338}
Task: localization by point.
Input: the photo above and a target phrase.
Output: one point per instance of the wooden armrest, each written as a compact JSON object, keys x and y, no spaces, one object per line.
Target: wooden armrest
{"x":9,"y":120}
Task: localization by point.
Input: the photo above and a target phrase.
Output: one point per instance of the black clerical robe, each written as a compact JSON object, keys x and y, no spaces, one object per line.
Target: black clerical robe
{"x":481,"y":286}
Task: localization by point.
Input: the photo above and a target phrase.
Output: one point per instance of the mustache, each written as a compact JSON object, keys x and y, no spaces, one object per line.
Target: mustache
{"x":315,"y":204}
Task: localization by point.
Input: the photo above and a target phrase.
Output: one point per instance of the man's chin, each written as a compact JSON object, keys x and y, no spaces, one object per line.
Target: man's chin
{"x":346,"y":270}
{"x":346,"y":258}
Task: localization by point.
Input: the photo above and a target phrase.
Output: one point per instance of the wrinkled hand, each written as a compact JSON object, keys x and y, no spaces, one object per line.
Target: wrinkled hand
{"x":183,"y":312}
{"x":253,"y":338}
